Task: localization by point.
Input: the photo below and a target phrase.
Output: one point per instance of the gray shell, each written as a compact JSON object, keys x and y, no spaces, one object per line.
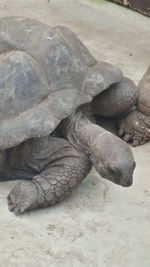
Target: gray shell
{"x":45,"y":74}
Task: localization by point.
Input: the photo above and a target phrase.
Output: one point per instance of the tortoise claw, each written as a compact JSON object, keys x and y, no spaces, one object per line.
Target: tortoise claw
{"x":120,"y":132}
{"x":135,"y":142}
{"x":127,"y":137}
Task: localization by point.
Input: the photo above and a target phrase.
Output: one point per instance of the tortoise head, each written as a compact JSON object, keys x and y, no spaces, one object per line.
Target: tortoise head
{"x":113,"y":159}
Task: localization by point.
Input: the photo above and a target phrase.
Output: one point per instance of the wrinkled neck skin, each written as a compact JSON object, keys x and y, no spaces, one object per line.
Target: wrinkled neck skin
{"x":80,"y":130}
{"x":84,"y":134}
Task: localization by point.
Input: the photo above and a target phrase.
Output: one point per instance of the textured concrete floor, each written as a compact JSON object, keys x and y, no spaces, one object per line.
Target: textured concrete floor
{"x":101,"y":224}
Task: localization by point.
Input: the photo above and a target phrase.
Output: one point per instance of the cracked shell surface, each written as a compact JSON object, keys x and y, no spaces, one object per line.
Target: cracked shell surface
{"x":45,"y":74}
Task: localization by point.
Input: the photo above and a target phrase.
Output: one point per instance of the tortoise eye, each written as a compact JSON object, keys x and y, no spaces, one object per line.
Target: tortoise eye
{"x":115,"y":172}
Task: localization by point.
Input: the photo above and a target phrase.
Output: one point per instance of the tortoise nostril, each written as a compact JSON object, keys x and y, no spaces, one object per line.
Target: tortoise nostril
{"x":134,"y":165}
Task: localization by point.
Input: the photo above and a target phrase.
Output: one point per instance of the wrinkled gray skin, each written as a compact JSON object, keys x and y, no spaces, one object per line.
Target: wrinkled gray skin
{"x":46,"y":75}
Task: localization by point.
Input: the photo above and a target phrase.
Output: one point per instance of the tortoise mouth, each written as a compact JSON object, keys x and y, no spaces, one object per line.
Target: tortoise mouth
{"x":124,"y":183}
{"x":121,"y":176}
{"x":116,"y":177}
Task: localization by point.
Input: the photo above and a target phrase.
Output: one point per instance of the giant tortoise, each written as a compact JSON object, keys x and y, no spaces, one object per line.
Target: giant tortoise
{"x":50,"y":86}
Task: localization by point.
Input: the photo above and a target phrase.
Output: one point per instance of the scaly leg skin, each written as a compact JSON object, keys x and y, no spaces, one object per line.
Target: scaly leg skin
{"x":52,"y":185}
{"x":135,"y":128}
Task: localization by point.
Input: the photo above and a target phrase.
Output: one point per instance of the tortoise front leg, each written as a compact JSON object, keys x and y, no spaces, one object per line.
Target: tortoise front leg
{"x":52,"y":185}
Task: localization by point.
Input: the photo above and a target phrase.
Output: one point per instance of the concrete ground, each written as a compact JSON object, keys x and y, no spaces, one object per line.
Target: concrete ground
{"x":101,"y":224}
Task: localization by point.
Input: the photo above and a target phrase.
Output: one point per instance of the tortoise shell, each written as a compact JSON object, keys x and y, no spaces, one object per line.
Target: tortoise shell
{"x":45,"y":74}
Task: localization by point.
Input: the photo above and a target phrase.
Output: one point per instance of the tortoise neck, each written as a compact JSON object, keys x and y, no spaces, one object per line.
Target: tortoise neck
{"x":81,"y":132}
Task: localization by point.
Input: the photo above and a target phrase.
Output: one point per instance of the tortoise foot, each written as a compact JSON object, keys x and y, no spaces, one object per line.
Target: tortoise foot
{"x":134,"y":128}
{"x":22,"y":197}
